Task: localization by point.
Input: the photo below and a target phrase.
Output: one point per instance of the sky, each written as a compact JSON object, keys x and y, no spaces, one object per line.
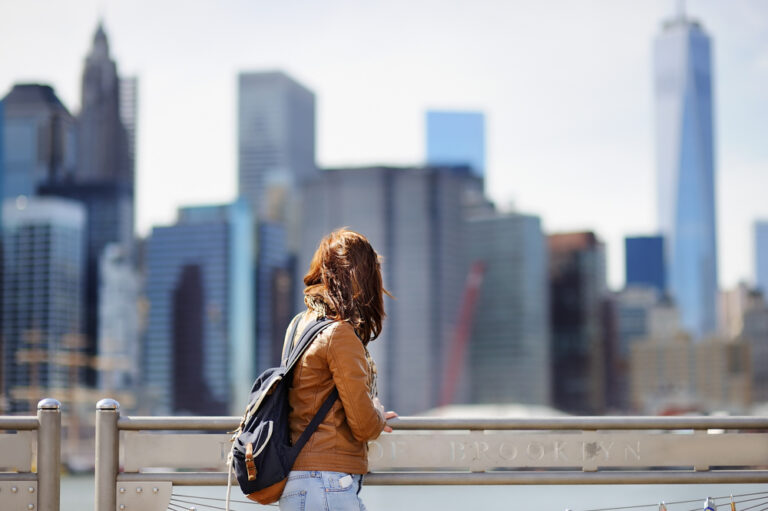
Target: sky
{"x":566,"y":87}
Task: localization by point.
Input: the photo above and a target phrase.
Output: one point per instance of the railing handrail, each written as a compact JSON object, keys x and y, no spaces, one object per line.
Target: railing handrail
{"x":219,"y":423}
{"x":19,"y":423}
{"x":47,"y":424}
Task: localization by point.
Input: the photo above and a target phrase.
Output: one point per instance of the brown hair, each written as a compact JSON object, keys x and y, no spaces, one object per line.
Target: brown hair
{"x":344,"y":280}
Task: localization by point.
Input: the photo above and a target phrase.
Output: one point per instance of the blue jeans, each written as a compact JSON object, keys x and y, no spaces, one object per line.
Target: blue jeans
{"x":322,"y":491}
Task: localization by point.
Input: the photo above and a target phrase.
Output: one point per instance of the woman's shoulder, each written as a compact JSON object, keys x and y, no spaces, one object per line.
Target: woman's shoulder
{"x":342,"y":333}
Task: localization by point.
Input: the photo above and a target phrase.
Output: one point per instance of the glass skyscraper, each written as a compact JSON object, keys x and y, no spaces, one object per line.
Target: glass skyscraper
{"x":276,"y":140}
{"x":644,"y":257}
{"x":414,"y":218}
{"x":456,"y":138}
{"x":509,"y":350}
{"x":199,"y":355}
{"x":43,"y":254}
{"x":761,"y":256}
{"x":685,"y":166}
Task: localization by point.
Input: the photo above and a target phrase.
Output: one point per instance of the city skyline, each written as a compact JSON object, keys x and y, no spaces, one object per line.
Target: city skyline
{"x":368,"y":112}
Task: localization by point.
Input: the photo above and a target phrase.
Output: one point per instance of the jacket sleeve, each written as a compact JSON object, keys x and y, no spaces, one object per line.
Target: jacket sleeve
{"x":346,"y":360}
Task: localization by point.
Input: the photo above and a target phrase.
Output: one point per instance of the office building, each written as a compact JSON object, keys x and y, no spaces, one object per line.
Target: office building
{"x":577,"y":289}
{"x":755,"y":334}
{"x":761,"y":256}
{"x":103,"y":180}
{"x":102,"y":138}
{"x":199,"y":355}
{"x":456,"y":138}
{"x":413,"y":218}
{"x":672,"y":375}
{"x":38,"y":140}
{"x":276,"y":141}
{"x":118,"y":346}
{"x":129,"y":104}
{"x":686,"y":168}
{"x":644,"y":258}
{"x":509,"y":347}
{"x":274,"y":293}
{"x":629,"y":320}
{"x":43,"y":253}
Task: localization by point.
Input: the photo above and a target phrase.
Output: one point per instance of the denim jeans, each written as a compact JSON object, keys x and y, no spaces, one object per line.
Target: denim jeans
{"x":322,"y":491}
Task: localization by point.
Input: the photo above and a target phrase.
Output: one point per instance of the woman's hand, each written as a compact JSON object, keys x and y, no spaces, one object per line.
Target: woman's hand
{"x":389,"y":415}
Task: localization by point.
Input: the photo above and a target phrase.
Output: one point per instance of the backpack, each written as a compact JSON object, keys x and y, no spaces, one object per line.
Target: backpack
{"x":262,"y":454}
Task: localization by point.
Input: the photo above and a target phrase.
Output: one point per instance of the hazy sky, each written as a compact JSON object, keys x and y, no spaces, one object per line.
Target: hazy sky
{"x":566,"y":87}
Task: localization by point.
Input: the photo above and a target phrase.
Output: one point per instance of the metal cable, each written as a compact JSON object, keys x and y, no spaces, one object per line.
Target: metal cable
{"x":211,"y":498}
{"x":640,"y":506}
{"x":763,"y":498}
{"x":196,"y":503}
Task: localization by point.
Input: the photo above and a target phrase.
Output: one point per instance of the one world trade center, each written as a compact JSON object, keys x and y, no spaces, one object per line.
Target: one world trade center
{"x":685,"y":166}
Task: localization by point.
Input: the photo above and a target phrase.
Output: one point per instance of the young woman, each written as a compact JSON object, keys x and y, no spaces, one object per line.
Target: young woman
{"x":343,"y":283}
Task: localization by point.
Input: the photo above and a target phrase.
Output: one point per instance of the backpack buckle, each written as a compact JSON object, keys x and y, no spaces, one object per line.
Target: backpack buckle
{"x":249,"y":464}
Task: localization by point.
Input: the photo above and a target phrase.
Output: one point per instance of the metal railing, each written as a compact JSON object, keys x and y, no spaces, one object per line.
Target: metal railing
{"x":434,"y":451}
{"x":21,"y":487}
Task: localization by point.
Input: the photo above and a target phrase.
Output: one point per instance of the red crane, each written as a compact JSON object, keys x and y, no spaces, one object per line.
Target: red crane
{"x":461,"y":334}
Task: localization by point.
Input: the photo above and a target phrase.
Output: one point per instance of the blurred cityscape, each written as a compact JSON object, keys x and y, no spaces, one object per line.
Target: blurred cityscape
{"x":489,"y":308}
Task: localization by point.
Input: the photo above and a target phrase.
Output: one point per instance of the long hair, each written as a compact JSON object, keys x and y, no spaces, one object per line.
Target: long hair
{"x":344,"y":280}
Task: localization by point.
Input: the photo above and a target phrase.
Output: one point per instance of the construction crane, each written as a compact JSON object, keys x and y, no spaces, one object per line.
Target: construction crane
{"x":457,"y":353}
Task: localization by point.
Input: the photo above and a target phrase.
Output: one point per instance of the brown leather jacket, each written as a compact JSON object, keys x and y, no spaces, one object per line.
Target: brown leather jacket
{"x":336,"y":357}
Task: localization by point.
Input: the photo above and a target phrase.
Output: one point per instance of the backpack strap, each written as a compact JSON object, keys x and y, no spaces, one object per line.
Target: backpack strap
{"x":288,"y":342}
{"x":307,"y":336}
{"x":315,"y":422}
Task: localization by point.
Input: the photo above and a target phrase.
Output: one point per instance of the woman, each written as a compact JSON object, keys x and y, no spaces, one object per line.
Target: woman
{"x":343,"y":283}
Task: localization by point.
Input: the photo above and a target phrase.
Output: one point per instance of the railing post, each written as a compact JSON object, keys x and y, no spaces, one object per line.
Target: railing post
{"x":49,"y":455}
{"x":107,"y":413}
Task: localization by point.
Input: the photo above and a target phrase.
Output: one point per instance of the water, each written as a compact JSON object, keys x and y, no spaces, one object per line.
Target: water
{"x":77,"y":495}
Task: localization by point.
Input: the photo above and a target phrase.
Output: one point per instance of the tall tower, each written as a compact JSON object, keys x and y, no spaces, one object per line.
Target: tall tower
{"x":276,"y":140}
{"x":685,"y":166}
{"x":103,"y":143}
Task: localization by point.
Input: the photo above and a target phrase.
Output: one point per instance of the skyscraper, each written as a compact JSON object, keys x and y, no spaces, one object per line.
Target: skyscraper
{"x":102,"y":139}
{"x":38,"y":140}
{"x":685,"y":165}
{"x":644,"y":257}
{"x":199,"y":352}
{"x":103,"y":179}
{"x":509,"y":348}
{"x":413,"y":218}
{"x":761,"y":256}
{"x":276,"y":140}
{"x":577,"y":287}
{"x":42,"y":295}
{"x":456,"y":138}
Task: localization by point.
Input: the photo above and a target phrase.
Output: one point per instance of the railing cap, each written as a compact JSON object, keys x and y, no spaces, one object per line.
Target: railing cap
{"x":48,"y":404}
{"x":107,"y":404}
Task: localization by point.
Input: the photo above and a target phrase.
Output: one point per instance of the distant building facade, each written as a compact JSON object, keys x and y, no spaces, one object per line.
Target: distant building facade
{"x":674,"y":375}
{"x":413,"y":217}
{"x":630,"y":313}
{"x":644,"y":258}
{"x":118,"y":341}
{"x":102,"y":138}
{"x":686,"y":168}
{"x":276,"y":141}
{"x":38,"y":140}
{"x":199,"y":346}
{"x":509,"y":347}
{"x":761,"y":256}
{"x":755,"y":334}
{"x":456,"y":138}
{"x":43,"y":254}
{"x":274,"y":293}
{"x":577,"y":288}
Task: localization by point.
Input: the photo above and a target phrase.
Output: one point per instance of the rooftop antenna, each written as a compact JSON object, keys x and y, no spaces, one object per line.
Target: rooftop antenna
{"x":681,"y":10}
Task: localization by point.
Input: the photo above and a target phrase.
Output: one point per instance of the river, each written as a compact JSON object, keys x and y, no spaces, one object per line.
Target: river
{"x":77,"y":495}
